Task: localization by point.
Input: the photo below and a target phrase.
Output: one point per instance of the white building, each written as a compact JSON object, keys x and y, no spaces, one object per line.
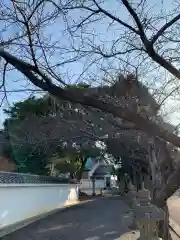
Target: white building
{"x":97,"y":175}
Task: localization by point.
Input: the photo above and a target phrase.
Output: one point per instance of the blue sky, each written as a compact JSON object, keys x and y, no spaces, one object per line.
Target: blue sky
{"x":72,"y":71}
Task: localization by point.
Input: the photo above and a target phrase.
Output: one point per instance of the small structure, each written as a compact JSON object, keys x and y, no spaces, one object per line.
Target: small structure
{"x":147,"y":216}
{"x":104,"y":173}
{"x":97,"y":175}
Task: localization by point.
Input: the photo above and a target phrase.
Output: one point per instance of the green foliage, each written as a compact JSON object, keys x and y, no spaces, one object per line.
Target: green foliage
{"x":79,"y":85}
{"x":36,"y":106}
{"x":42,"y":106}
{"x":33,"y":159}
{"x":28,"y":159}
{"x":68,"y":163}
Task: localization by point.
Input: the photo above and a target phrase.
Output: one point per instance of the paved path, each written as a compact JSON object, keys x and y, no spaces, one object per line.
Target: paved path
{"x":174,"y":211}
{"x":102,"y":219}
{"x":174,"y":208}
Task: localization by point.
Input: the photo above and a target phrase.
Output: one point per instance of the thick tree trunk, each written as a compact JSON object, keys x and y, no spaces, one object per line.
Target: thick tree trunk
{"x":165,"y":183}
{"x":164,"y":230}
{"x":160,"y":201}
{"x":80,"y":172}
{"x":170,"y":187}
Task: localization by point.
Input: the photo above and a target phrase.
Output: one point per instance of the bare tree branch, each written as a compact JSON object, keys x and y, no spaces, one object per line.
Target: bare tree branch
{"x":101,"y":10}
{"x":80,"y":96}
{"x":137,"y":20}
{"x":164,"y":28}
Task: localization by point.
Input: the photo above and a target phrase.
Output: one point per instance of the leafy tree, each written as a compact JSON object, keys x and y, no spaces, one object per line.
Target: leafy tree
{"x":49,"y":129}
{"x":32,"y":106}
{"x":41,"y":108}
{"x":79,"y":85}
{"x":28,"y":159}
{"x":70,"y":162}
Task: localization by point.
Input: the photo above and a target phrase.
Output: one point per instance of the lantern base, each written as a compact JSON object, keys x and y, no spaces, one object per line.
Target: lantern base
{"x":132,"y":235}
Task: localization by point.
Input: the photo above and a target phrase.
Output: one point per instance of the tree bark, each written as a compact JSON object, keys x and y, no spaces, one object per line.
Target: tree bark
{"x":164,"y":230}
{"x":163,"y":185}
{"x":169,"y":188}
{"x":80,"y":172}
{"x":160,"y":200}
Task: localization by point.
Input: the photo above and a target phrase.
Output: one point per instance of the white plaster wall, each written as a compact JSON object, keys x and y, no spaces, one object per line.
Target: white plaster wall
{"x":22,"y":201}
{"x":86,"y":185}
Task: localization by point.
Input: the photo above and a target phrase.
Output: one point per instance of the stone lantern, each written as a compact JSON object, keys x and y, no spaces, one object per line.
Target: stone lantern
{"x":147,"y":216}
{"x":132,"y":194}
{"x":133,"y":203}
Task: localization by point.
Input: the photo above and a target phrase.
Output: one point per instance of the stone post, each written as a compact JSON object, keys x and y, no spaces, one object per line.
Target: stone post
{"x":93,"y":187}
{"x":134,"y":178}
{"x":133,"y":203}
{"x":147,"y":216}
{"x":126,"y":181}
{"x":121,"y":186}
{"x":132,"y":194}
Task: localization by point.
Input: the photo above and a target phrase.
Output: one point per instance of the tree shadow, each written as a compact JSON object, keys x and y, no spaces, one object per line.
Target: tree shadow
{"x":105,"y":219}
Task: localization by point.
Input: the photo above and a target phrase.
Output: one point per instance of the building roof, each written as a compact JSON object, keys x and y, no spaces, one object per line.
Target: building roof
{"x":89,"y":163}
{"x":103,"y":170}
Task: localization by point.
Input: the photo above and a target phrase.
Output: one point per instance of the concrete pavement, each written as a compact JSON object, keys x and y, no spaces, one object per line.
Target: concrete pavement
{"x":174,"y":209}
{"x":101,"y":219}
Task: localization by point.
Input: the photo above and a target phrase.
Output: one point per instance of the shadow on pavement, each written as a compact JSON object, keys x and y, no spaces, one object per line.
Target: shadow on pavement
{"x":101,"y":219}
